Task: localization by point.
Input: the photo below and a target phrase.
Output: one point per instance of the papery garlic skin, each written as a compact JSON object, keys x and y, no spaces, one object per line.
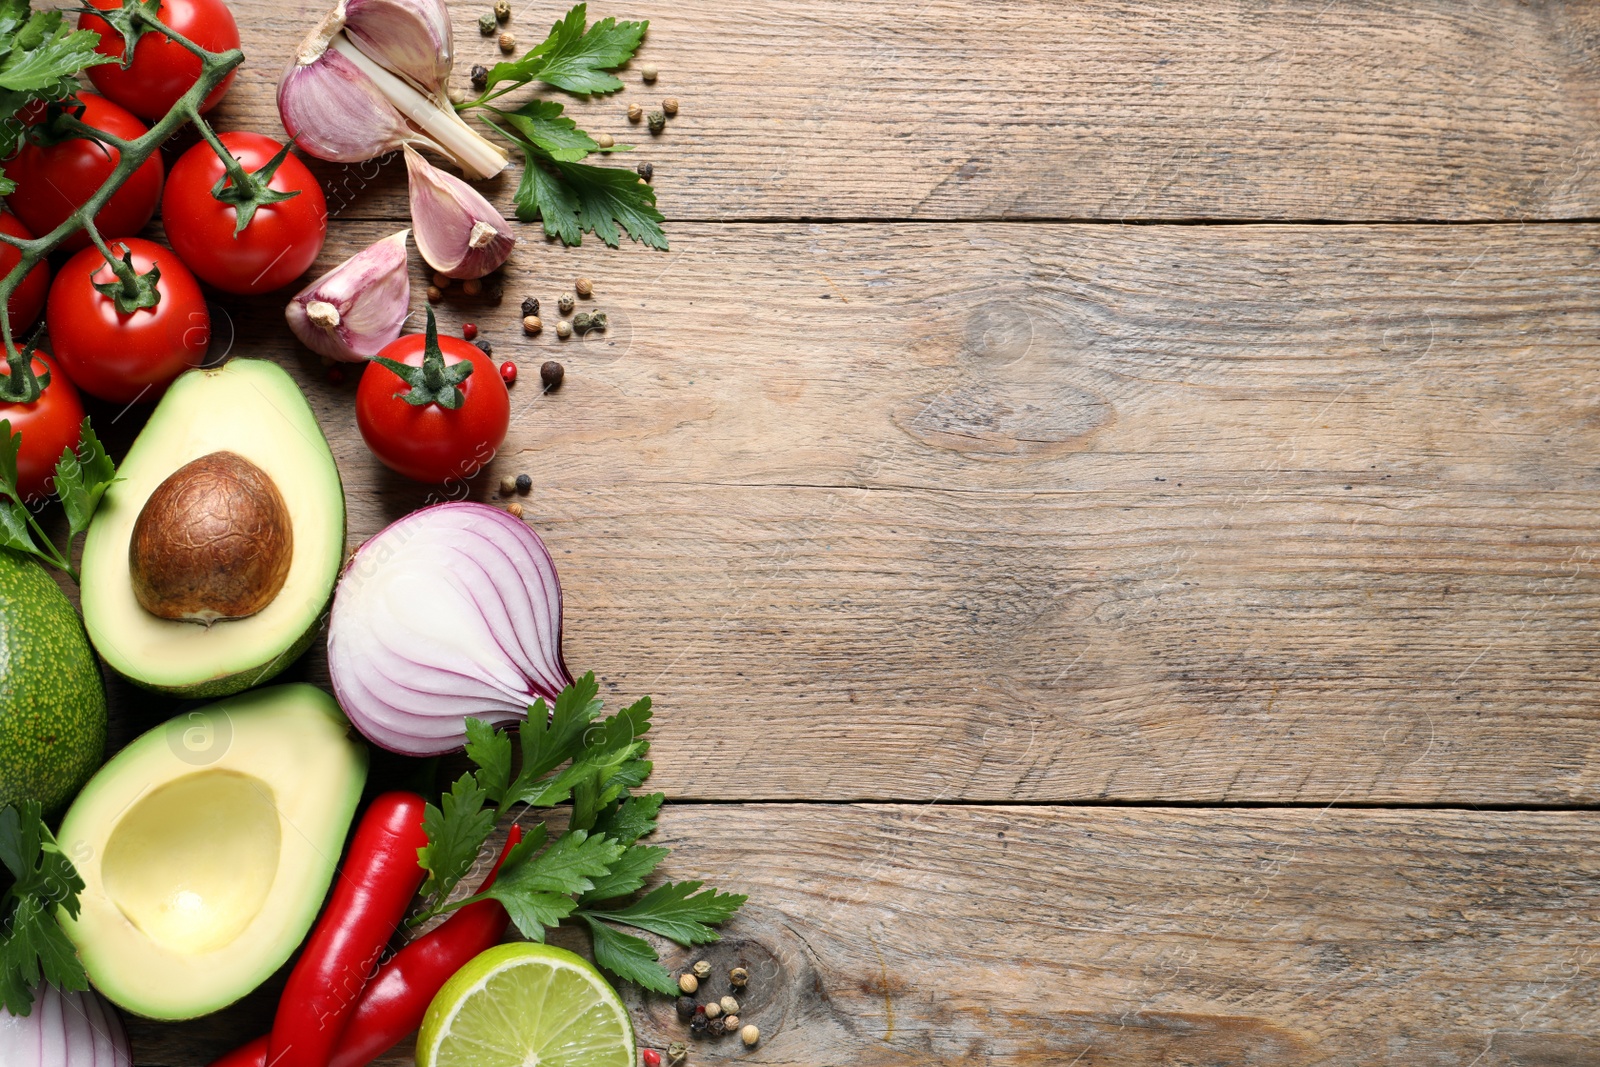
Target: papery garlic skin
{"x":353,"y":311}
{"x":459,"y":233}
{"x":413,"y":38}
{"x":333,"y":111}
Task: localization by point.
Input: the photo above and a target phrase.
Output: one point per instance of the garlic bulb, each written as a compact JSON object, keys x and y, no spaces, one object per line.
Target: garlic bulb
{"x":358,"y":307}
{"x":459,"y":233}
{"x":370,"y":78}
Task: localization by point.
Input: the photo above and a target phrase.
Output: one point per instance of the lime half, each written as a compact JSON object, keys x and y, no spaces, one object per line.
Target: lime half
{"x":526,"y":1005}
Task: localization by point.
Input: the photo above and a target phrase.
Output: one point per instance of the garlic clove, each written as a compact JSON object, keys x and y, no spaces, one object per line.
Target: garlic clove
{"x":358,"y":307}
{"x":333,"y":110}
{"x":459,"y":233}
{"x":410,"y":37}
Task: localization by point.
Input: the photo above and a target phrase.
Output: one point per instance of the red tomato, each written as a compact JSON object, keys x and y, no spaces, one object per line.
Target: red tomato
{"x":282,"y":239}
{"x":162,"y":70}
{"x":27,"y":299}
{"x":47,"y":425}
{"x":127,"y":357}
{"x":53,"y":181}
{"x":428,"y":442}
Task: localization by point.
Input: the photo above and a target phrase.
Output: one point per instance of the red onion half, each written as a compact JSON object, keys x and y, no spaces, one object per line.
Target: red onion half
{"x":453,"y":611}
{"x":64,"y":1030}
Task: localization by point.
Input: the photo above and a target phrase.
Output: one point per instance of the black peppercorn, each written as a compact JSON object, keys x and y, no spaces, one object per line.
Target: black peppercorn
{"x":530,"y":306}
{"x":486,"y":347}
{"x":716,"y":1027}
{"x":551,"y":374}
{"x":698,"y":1025}
{"x":647,"y":171}
{"x":686,"y":1008}
{"x":524,"y":484}
{"x":480,"y":76}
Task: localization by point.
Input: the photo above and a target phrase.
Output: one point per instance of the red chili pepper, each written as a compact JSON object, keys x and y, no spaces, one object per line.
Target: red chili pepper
{"x":399,"y":995}
{"x":370,"y":896}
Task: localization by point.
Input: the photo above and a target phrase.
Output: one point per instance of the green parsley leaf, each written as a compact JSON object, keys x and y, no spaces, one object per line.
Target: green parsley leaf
{"x":82,"y":478}
{"x":14,"y":529}
{"x":551,"y":738}
{"x":33,"y":947}
{"x":629,"y":957}
{"x":633,"y":818}
{"x":456,"y":831}
{"x":490,"y":749}
{"x":576,"y":198}
{"x":675,"y":910}
{"x":627,"y":874}
{"x":565,"y":867}
{"x":533,"y":913}
{"x":574,"y":58}
{"x":543,"y":123}
{"x":42,"y":53}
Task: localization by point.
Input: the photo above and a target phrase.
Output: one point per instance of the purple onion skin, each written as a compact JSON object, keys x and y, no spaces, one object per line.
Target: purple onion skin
{"x":64,"y":1030}
{"x":369,"y":683}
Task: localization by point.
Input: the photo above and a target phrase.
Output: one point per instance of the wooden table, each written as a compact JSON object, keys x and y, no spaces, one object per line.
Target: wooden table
{"x":1104,"y":496}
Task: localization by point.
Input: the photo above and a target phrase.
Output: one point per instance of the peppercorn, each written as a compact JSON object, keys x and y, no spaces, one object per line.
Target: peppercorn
{"x":713,"y":1009}
{"x":495,"y":294}
{"x":583,"y":287}
{"x":486,"y":23}
{"x":698,"y":1025}
{"x":750,"y":1035}
{"x":729,"y":1006}
{"x":502,"y":10}
{"x":738,"y":978}
{"x":530,"y":305}
{"x":651,"y":1058}
{"x":524,"y":484}
{"x":508,"y":485}
{"x":551,"y":374}
{"x":685,"y":1006}
{"x":563,"y":329}
{"x":689,"y":984}
{"x":605,"y":140}
{"x":716,"y":1027}
{"x":656,"y":121}
{"x":434,"y":295}
{"x":508,"y":373}
{"x":670,"y":105}
{"x":647,"y":171}
{"x":480,"y":76}
{"x":468,"y":331}
{"x":440,"y":280}
{"x":580,"y":322}
{"x":515,"y":509}
{"x":531,"y":324}
{"x":565,"y":303}
{"x":508,"y":42}
{"x":648,"y":73}
{"x":598,"y":321}
{"x":472,"y":286}
{"x":486,"y":348}
{"x":635,"y":113}
{"x":677,"y":1054}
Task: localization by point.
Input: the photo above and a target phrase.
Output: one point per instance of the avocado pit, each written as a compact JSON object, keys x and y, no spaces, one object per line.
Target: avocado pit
{"x":214,"y":541}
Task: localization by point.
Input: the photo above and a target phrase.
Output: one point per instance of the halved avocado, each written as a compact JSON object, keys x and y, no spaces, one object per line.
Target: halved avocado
{"x":245,"y":410}
{"x":206,"y":847}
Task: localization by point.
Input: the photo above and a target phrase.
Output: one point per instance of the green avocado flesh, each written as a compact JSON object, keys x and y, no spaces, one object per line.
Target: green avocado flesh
{"x":206,"y":847}
{"x":253,"y":409}
{"x":52,"y":705}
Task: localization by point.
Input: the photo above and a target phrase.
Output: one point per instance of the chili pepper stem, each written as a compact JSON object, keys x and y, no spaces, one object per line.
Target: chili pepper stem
{"x":214,"y":67}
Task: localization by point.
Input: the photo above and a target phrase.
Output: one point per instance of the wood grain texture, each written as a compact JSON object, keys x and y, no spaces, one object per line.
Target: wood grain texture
{"x":906,"y":935}
{"x":1057,"y":513}
{"x":1110,"y":109}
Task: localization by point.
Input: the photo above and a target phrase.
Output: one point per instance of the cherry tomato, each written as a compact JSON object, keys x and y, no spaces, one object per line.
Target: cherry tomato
{"x":134,"y":356}
{"x":282,"y":239}
{"x":27,"y":299}
{"x":47,"y":425}
{"x":428,"y":442}
{"x":162,"y":70}
{"x":53,"y":181}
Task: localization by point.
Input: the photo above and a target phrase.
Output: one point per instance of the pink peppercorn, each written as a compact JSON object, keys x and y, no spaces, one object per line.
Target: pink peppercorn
{"x":652,"y":1058}
{"x":469,"y":331}
{"x":508,"y":372}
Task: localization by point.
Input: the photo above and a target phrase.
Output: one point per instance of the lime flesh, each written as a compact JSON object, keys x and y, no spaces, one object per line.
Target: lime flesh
{"x":526,"y":1005}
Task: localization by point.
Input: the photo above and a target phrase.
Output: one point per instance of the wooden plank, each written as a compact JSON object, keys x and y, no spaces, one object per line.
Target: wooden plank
{"x":1052,"y":513}
{"x":910,"y":935}
{"x":1109,"y":109}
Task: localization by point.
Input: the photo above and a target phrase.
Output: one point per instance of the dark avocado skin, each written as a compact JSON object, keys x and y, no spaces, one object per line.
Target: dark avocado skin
{"x":52,"y":702}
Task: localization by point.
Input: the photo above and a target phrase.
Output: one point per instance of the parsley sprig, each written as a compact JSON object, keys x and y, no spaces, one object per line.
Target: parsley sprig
{"x":591,"y":871}
{"x":81,"y":479}
{"x":38,"y":879}
{"x":569,"y":196}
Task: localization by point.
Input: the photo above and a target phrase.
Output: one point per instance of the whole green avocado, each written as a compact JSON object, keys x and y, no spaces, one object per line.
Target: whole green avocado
{"x":52,"y":702}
